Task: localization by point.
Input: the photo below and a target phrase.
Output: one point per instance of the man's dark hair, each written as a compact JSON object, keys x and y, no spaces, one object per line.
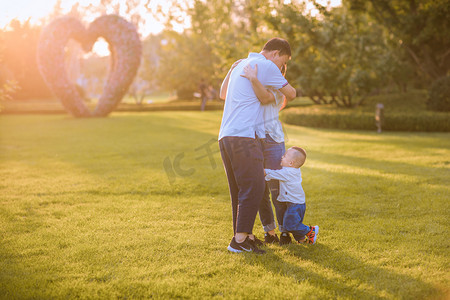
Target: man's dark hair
{"x":278,"y":44}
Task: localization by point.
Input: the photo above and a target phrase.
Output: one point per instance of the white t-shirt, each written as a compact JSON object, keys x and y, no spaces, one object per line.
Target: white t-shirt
{"x":291,"y":189}
{"x":272,"y":122}
{"x":243,"y":113}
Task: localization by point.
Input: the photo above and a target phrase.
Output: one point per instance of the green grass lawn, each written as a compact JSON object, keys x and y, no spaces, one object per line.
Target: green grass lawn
{"x":129,"y":206}
{"x":157,"y":97}
{"x":162,"y":101}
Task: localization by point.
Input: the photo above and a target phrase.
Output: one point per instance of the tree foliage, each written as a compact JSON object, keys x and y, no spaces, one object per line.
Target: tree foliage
{"x":7,"y":86}
{"x":7,"y":89}
{"x":19,"y":60}
{"x":341,"y":55}
{"x":439,"y":95}
{"x":338,"y":57}
{"x":203,"y":51}
{"x":421,"y":27}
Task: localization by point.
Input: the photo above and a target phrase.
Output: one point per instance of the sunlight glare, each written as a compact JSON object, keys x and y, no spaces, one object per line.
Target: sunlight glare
{"x":101,"y":48}
{"x":37,"y":11}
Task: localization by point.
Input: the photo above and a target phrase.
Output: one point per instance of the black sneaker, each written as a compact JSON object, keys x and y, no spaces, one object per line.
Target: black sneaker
{"x":285,"y":238}
{"x":257,"y":242}
{"x":246,"y":246}
{"x":271,"y":239}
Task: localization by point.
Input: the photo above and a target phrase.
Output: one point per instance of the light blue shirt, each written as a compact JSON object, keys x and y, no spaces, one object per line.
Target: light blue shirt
{"x":291,"y":189}
{"x":243,"y":112}
{"x":272,"y":122}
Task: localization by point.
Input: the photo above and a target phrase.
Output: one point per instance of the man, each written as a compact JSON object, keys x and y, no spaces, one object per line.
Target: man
{"x":242,"y":125}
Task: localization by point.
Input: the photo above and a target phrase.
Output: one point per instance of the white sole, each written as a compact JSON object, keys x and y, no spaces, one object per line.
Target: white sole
{"x":231,"y":249}
{"x":316,"y":231}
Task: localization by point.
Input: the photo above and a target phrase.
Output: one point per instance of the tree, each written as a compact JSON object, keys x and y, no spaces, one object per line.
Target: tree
{"x":7,"y":89}
{"x":7,"y":86}
{"x":340,"y":56}
{"x":19,"y":59}
{"x":206,"y":50}
{"x":146,"y":81}
{"x":337,"y":55}
{"x":422,"y":28}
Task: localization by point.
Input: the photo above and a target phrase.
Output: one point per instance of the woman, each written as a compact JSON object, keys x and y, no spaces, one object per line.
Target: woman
{"x":273,"y":148}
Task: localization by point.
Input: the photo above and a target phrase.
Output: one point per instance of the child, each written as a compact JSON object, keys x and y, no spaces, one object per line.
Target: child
{"x":292,"y":196}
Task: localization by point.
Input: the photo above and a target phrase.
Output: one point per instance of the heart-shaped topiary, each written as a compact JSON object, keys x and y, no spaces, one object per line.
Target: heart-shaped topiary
{"x":125,"y":47}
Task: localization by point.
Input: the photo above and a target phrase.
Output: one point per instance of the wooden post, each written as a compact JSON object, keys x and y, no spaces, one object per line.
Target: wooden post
{"x":379,"y":116}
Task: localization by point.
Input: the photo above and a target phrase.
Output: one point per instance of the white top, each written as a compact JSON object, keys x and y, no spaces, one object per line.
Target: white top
{"x":291,"y":189}
{"x":243,"y":113}
{"x":272,"y":122}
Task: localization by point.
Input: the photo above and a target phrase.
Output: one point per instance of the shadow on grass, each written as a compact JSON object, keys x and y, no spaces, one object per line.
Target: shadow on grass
{"x":17,"y":280}
{"x":343,"y":275}
{"x":388,"y":167}
{"x":412,"y":141}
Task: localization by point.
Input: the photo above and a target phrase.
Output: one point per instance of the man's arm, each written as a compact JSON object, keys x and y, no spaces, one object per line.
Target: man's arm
{"x":298,"y":93}
{"x":264,"y":95}
{"x":224,"y":86}
{"x":289,"y":92}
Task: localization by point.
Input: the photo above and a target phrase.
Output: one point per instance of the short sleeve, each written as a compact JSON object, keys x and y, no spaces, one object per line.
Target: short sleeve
{"x":272,"y":76}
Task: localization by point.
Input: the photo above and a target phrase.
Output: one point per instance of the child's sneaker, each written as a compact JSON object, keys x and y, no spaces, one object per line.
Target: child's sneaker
{"x":312,"y":235}
{"x":285,"y":238}
{"x":271,"y":239}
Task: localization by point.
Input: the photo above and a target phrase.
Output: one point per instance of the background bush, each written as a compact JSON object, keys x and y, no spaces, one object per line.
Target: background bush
{"x":439,"y":96}
{"x":425,"y":121}
{"x":403,"y":112}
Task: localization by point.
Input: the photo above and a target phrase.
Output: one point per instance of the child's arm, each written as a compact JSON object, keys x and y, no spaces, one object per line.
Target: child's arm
{"x":224,"y":86}
{"x":284,"y":103}
{"x":276,"y":174}
{"x":264,"y":95}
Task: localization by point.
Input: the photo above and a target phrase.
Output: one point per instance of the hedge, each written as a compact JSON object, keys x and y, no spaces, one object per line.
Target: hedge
{"x":348,"y":119}
{"x":55,"y":107}
{"x":439,"y":95}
